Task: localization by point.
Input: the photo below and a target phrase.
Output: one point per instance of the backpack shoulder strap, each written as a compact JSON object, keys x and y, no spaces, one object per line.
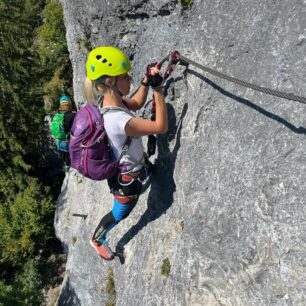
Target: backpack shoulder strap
{"x":128,"y":140}
{"x":125,"y":147}
{"x":107,"y":109}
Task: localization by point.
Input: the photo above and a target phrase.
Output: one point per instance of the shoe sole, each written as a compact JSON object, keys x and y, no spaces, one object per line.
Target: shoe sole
{"x":91,"y":243}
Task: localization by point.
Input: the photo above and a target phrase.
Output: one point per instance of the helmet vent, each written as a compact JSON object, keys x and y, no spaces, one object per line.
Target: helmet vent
{"x":104,"y":61}
{"x":98,"y":57}
{"x":110,"y":64}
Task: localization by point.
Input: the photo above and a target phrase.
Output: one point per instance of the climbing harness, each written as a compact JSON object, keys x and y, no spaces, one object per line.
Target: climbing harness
{"x":126,"y":179}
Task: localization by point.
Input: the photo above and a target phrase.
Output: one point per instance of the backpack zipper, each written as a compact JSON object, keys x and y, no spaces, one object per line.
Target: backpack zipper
{"x":86,"y":149}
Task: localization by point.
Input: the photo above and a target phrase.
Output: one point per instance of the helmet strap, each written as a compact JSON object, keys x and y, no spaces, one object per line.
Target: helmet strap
{"x":100,"y":100}
{"x":116,"y":89}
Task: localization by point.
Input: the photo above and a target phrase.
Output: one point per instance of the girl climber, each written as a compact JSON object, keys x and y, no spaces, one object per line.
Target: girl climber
{"x":108,"y":75}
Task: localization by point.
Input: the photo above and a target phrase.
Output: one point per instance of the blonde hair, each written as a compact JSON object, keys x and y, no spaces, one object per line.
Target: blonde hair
{"x":92,"y":91}
{"x":65,"y":106}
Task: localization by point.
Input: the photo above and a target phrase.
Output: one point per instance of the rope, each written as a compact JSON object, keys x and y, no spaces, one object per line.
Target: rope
{"x":268,"y":91}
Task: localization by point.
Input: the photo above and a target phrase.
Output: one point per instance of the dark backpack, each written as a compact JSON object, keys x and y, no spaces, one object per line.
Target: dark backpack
{"x":89,"y":148}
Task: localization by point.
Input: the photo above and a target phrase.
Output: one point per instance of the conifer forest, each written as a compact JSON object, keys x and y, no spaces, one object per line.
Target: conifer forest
{"x":34,"y":66}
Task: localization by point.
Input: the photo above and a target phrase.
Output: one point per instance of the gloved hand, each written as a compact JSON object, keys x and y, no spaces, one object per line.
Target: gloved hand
{"x":153,"y":77}
{"x":155,"y":80}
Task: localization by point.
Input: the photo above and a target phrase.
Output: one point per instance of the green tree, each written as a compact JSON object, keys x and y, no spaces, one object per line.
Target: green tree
{"x":53,"y":50}
{"x":25,"y":224}
{"x":20,"y":110}
{"x":23,"y":289}
{"x":26,"y":204}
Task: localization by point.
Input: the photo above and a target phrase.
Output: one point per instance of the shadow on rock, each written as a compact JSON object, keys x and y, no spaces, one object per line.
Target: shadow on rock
{"x":68,"y":296}
{"x":290,"y":126}
{"x":162,"y":183}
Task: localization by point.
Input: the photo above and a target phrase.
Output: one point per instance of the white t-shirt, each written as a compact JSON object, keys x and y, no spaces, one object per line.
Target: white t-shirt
{"x":114,"y":123}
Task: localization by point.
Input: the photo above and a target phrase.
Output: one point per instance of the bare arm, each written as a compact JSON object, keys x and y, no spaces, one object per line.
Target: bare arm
{"x":140,"y":97}
{"x":142,"y":127}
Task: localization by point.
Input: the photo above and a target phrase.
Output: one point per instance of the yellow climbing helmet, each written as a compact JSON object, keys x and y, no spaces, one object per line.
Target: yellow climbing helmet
{"x":106,"y":61}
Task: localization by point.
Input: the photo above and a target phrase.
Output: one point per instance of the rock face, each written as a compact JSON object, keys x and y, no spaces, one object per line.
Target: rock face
{"x":227,"y":202}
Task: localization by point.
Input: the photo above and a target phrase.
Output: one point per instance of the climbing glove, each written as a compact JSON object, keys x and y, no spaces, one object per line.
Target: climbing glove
{"x":156,"y":80}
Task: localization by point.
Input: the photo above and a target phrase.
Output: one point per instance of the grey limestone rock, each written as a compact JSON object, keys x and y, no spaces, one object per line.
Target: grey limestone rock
{"x":227,"y":202}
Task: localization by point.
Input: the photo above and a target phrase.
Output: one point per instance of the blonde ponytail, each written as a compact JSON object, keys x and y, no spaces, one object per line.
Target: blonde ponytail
{"x":90,"y":92}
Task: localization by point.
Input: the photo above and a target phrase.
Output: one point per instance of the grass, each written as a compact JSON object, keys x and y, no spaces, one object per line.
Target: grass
{"x":166,"y":267}
{"x":74,"y":239}
{"x":110,"y":288}
{"x":85,"y":44}
{"x":80,"y":180}
{"x":185,"y":3}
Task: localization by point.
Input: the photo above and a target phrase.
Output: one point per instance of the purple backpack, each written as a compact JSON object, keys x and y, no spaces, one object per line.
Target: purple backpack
{"x":89,"y":149}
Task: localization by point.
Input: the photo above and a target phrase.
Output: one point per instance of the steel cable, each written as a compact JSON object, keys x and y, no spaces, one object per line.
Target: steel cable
{"x":277,"y":93}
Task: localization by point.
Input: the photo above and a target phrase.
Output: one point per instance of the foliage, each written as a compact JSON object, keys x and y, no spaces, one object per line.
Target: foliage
{"x":166,"y":267}
{"x":56,"y":85}
{"x":51,"y":34}
{"x":20,"y":104}
{"x":25,"y":223}
{"x":53,"y":50}
{"x":74,"y":240}
{"x":110,"y":288}
{"x":50,"y":104}
{"x":186,"y":3}
{"x":23,"y":289}
{"x":85,"y":44}
{"x":28,"y":182}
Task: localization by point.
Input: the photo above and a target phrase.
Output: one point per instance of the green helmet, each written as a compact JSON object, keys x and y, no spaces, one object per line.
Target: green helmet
{"x":106,"y":61}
